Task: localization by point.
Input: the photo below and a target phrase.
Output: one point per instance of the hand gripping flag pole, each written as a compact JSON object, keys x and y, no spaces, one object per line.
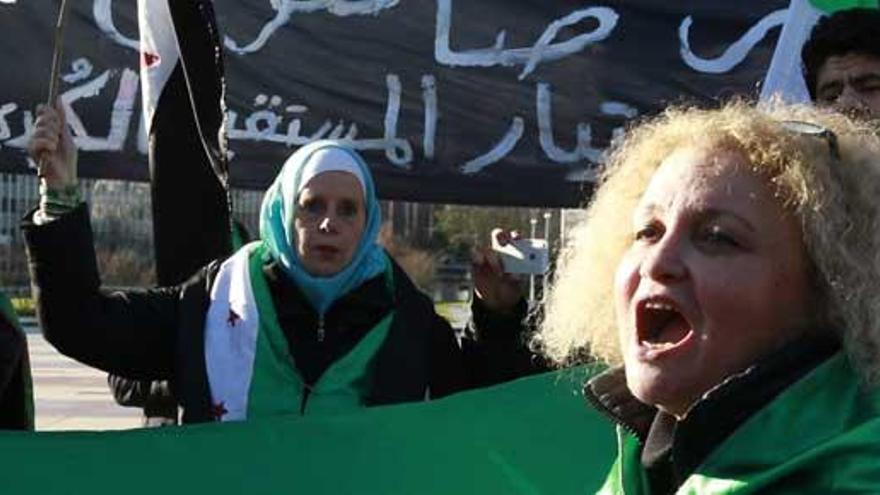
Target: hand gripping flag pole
{"x":57,"y":55}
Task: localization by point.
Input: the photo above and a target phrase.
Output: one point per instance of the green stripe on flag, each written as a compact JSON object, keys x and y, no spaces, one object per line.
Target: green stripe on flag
{"x":532,"y":436}
{"x":831,"y":6}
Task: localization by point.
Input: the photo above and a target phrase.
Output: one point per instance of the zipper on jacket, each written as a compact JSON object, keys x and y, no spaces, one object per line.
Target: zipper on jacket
{"x":321,"y":328}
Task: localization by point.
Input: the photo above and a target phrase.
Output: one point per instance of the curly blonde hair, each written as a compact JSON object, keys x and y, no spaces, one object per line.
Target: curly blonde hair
{"x":836,"y":200}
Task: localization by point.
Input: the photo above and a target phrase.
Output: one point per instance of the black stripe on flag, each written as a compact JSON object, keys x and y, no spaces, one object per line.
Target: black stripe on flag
{"x":187,"y":150}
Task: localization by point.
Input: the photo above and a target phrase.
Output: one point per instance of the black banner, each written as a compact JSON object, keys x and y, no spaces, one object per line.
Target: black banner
{"x":489,"y":102}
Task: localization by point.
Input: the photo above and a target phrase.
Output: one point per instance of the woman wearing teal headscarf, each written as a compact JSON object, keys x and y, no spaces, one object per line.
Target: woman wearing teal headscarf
{"x":340,"y":207}
{"x":314,"y":317}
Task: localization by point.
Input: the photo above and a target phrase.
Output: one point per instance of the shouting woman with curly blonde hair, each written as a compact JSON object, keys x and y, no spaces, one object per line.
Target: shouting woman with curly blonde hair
{"x":728,"y":272}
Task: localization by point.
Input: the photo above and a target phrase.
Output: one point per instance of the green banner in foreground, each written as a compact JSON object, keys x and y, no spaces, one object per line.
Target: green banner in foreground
{"x":532,"y":436}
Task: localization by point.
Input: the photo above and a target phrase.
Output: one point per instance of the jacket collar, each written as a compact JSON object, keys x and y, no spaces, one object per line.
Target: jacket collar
{"x":371,"y":298}
{"x":679,"y":447}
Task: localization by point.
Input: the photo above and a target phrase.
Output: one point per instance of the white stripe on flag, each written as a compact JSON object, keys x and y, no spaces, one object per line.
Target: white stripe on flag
{"x":231,"y":331}
{"x":784,"y":77}
{"x":159,"y":53}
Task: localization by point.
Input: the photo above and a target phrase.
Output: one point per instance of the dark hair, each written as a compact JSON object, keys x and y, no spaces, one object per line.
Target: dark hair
{"x":854,"y":31}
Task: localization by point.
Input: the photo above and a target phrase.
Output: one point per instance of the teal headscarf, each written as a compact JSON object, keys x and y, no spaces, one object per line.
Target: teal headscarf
{"x":277,"y":232}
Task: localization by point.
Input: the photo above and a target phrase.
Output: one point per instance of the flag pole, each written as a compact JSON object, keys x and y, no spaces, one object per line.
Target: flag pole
{"x":57,"y":55}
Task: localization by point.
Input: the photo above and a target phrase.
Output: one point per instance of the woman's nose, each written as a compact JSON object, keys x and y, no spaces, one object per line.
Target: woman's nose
{"x":325,"y":225}
{"x":663,"y":261}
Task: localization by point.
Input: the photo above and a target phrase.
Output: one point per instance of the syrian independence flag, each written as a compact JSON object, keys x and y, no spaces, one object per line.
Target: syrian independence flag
{"x":183,"y":99}
{"x":784,"y":77}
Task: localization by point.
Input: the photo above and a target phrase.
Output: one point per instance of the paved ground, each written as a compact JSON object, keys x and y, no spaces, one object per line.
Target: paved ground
{"x":71,"y":396}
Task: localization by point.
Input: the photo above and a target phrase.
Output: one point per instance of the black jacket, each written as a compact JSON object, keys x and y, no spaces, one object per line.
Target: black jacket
{"x":159,"y":333}
{"x":13,"y":380}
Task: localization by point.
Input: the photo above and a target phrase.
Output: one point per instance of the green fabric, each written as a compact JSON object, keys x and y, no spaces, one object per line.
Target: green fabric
{"x":276,"y":387}
{"x":531,"y":436}
{"x":8,"y":312}
{"x":831,"y":6}
{"x":626,"y":475}
{"x":822,"y":435}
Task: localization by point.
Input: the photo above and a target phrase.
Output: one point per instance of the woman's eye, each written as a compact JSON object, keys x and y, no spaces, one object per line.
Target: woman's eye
{"x":716,"y":236}
{"x":312,"y":207}
{"x":348,"y":209}
{"x":648,"y":233}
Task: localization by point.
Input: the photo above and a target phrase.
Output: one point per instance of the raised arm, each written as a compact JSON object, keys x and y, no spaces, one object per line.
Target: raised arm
{"x":125,"y":332}
{"x":496,"y":340}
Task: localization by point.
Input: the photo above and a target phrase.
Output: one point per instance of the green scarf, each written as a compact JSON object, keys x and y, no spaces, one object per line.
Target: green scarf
{"x":250,"y":369}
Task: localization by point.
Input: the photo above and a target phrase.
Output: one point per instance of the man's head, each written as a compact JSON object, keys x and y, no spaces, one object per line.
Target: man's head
{"x":841,"y":62}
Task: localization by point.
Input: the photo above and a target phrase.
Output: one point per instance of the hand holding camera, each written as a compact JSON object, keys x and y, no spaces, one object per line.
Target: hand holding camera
{"x":499,"y":269}
{"x":523,"y":256}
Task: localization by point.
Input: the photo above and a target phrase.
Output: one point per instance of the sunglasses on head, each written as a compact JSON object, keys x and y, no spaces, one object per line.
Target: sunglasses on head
{"x":814,"y":130}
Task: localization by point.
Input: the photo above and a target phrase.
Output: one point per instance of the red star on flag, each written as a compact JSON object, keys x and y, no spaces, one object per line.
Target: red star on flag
{"x":233,"y":317}
{"x":149,"y":59}
{"x":218,"y":410}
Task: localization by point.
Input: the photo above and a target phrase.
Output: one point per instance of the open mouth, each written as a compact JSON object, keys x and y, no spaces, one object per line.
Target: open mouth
{"x":661,"y":326}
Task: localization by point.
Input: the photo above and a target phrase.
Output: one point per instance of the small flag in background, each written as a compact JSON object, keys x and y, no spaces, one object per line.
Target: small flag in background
{"x":784,"y":76}
{"x":183,"y":100}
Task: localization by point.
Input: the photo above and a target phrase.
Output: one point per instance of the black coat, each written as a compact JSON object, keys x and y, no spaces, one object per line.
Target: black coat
{"x":14,"y":414}
{"x":158,"y":334}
